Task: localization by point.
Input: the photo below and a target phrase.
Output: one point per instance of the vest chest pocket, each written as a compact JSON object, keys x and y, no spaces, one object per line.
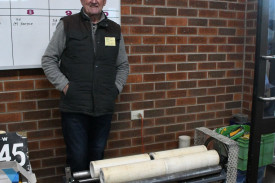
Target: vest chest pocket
{"x":76,"y":43}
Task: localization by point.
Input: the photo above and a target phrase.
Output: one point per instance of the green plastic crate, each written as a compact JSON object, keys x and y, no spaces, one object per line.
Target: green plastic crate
{"x":266,"y":151}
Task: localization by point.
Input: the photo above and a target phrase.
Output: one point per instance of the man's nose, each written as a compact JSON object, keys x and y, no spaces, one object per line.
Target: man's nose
{"x":93,"y":1}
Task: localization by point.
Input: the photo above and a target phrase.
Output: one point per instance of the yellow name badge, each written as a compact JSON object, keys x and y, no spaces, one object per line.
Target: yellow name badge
{"x":110,"y":41}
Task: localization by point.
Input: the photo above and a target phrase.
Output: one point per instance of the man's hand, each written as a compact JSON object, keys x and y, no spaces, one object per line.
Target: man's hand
{"x":65,"y":89}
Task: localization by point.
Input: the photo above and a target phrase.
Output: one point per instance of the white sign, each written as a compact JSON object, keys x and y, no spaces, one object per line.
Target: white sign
{"x":26,"y":26}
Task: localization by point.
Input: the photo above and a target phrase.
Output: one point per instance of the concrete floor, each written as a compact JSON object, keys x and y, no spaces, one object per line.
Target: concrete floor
{"x":269,"y":174}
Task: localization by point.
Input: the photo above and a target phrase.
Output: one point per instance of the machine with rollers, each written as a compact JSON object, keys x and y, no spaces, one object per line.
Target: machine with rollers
{"x":213,"y":158}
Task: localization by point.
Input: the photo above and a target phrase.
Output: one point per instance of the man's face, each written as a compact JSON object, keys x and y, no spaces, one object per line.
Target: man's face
{"x":93,"y":7}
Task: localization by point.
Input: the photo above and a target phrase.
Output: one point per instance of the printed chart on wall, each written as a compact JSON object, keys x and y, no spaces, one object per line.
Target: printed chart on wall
{"x":26,"y":26}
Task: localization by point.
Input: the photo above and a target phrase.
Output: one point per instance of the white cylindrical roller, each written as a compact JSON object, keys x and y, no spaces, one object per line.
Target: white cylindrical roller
{"x":95,"y":166}
{"x":184,"y":141}
{"x":178,"y":152}
{"x":192,"y":161}
{"x":132,"y":172}
{"x":160,"y":167}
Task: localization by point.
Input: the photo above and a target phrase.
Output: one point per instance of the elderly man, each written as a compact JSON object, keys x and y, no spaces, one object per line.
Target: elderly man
{"x":87,"y":62}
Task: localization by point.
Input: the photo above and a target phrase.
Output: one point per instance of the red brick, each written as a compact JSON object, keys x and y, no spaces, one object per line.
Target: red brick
{"x":117,"y":126}
{"x":227,"y":14}
{"x":34,"y":115}
{"x":187,"y":67}
{"x":2,"y":108}
{"x":208,"y":31}
{"x":198,"y":4}
{"x":154,"y":147}
{"x":51,"y":123}
{"x":124,"y":116}
{"x":195,"y":109}
{"x":176,"y":93}
{"x":134,"y":79}
{"x":41,"y":154}
{"x":227,"y":31}
{"x":9,"y":75}
{"x":153,"y":58}
{"x":177,"y":3}
{"x":153,"y":21}
{"x":207,"y":99}
{"x":197,"y":57}
{"x":130,"y":97}
{"x":165,"y":120}
{"x":192,"y":126}
{"x":197,"y":40}
{"x":217,"y":23}
{"x":226,"y":48}
{"x":141,"y":68}
{"x":53,"y":162}
{"x":130,"y":133}
{"x":196,"y":92}
{"x":175,"y":128}
{"x":153,"y":77}
{"x":197,"y":22}
{"x":53,"y":143}
{"x":217,"y":40}
{"x":215,"y":106}
{"x":165,"y":68}
{"x":132,"y":40}
{"x":141,"y":49}
{"x":176,"y":76}
{"x":165,"y":103}
{"x":176,"y":58}
{"x":119,"y":143}
{"x":216,"y":74}
{"x":186,"y":118}
{"x":141,"y":30}
{"x":207,"y":66}
{"x":131,"y":2}
{"x":187,"y":84}
{"x":153,"y":40}
{"x":186,"y":101}
{"x":165,"y":137}
{"x":18,"y":85}
{"x":204,"y":116}
{"x":165,"y":86}
{"x":8,"y":97}
{"x":188,"y":12}
{"x":43,"y":84}
{"x":166,"y":11}
{"x":208,"y":13}
{"x":227,"y":113}
{"x":176,"y":21}
{"x":125,"y":10}
{"x":22,"y":126}
{"x":131,"y":151}
{"x":197,"y":75}
{"x":154,"y":95}
{"x":207,"y":48}
{"x":216,"y":91}
{"x":218,"y":5}
{"x":142,"y":105}
{"x":39,"y":94}
{"x":223,"y":98}
{"x":187,"y":30}
{"x":165,"y":30}
{"x":154,"y":131}
{"x":142,"y":11}
{"x":146,"y":140}
{"x":31,"y":74}
{"x":10,"y":117}
{"x":130,"y":20}
{"x":142,"y":87}
{"x":207,"y":83}
{"x":165,"y":49}
{"x":214,"y":123}
{"x":187,"y":49}
{"x":176,"y":40}
{"x":153,"y":113}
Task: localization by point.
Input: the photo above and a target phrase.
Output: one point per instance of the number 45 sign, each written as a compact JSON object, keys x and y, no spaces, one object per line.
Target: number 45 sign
{"x":13,"y":147}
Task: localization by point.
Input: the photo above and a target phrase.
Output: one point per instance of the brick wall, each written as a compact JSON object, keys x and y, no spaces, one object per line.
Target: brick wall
{"x":251,"y":24}
{"x":189,"y":67}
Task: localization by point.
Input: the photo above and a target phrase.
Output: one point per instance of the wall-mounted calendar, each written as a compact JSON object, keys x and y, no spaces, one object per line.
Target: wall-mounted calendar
{"x":26,"y":26}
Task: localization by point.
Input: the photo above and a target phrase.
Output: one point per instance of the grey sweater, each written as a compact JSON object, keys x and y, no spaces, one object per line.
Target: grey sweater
{"x":51,"y":59}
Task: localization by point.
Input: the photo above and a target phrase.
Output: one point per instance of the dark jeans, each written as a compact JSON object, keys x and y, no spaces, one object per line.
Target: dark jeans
{"x":85,"y":137}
